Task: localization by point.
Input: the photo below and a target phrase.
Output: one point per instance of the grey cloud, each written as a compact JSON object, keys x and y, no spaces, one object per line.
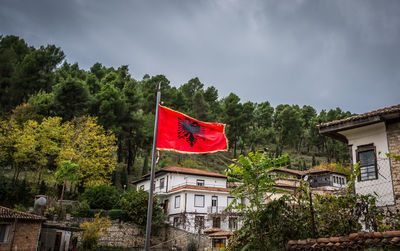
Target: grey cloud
{"x":322,"y":53}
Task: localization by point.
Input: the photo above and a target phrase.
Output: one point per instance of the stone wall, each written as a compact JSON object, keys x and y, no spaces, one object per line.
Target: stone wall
{"x":393,"y":136}
{"x":25,"y":238}
{"x":129,"y":235}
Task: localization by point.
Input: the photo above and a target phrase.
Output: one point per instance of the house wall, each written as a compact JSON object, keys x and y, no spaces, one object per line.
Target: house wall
{"x":189,"y":211}
{"x":393,"y":136}
{"x":382,"y":186}
{"x":173,"y":180}
{"x":26,"y":236}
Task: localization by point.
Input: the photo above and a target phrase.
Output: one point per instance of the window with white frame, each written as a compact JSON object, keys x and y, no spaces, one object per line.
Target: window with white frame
{"x":4,"y":232}
{"x":162,"y":183}
{"x":232,"y":223}
{"x":230,"y":199}
{"x":200,"y":182}
{"x":366,"y":156}
{"x":177,"y":201}
{"x":141,"y":187}
{"x":199,"y":200}
{"x":214,"y":201}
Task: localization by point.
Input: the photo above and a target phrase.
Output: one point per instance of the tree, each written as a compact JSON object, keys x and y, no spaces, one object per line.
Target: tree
{"x":66,"y":172}
{"x":100,"y":197}
{"x":92,"y":148}
{"x":232,"y":110}
{"x":256,"y":176}
{"x":134,"y":204}
{"x":71,"y":98}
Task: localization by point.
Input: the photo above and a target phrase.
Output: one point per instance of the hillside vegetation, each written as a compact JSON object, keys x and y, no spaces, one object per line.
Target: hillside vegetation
{"x":37,"y":83}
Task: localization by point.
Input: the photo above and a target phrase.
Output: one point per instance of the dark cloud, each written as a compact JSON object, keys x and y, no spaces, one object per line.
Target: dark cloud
{"x":323,"y":53}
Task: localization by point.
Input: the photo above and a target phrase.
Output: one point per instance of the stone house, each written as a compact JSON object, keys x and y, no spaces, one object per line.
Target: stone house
{"x":19,"y":230}
{"x":193,"y":199}
{"x":370,"y":136}
{"x":320,"y":179}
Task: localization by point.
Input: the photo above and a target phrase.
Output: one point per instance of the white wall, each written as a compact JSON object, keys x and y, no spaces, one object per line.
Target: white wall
{"x":382,"y":186}
{"x":173,"y":180}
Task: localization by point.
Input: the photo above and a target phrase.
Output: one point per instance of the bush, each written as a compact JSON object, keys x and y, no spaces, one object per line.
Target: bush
{"x":192,"y":246}
{"x":100,"y":197}
{"x":115,"y":214}
{"x":92,"y":232}
{"x":82,"y":210}
{"x":134,"y":205}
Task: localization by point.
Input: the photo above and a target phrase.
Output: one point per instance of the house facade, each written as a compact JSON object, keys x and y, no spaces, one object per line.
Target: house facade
{"x":19,"y":230}
{"x":370,"y":136}
{"x":193,"y":200}
{"x":319,"y":179}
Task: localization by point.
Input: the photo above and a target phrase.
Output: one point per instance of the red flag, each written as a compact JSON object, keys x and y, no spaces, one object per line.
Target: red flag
{"x":181,"y":133}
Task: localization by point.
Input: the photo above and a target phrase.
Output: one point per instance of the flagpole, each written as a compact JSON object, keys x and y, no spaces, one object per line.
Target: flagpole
{"x":152,"y":172}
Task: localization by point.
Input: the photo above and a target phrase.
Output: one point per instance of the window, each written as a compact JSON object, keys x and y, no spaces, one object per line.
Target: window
{"x":216,"y":222}
{"x":218,"y":243}
{"x":177,"y":201}
{"x":214,"y":201}
{"x":177,"y":221}
{"x":367,"y":158}
{"x":230,"y":199}
{"x":199,"y":200}
{"x":232,"y":223}
{"x":162,"y":183}
{"x":199,"y":222}
{"x":200,"y":183}
{"x":4,"y":232}
{"x":141,"y":187}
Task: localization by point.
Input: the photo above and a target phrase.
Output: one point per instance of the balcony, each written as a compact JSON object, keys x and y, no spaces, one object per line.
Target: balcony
{"x":195,"y":184}
{"x":215,"y":210}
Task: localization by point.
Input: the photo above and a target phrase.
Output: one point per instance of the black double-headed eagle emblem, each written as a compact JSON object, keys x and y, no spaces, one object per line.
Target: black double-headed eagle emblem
{"x":190,"y":130}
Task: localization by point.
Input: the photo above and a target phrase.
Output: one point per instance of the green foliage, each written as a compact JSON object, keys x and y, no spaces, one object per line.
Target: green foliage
{"x":100,"y":197}
{"x":192,"y":245}
{"x":134,"y":205}
{"x":82,"y":209}
{"x":92,"y":232}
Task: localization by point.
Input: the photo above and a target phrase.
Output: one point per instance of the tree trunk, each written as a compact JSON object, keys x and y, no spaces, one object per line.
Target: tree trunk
{"x":62,"y":196}
{"x":129,"y":164}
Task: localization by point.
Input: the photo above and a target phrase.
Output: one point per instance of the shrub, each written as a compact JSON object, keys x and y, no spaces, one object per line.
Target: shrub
{"x":92,"y":231}
{"x":100,"y":197}
{"x":82,"y":210}
{"x":115,"y":214}
{"x":134,"y":205}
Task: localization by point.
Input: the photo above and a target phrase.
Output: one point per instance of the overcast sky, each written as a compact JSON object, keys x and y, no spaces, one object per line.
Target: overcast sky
{"x":322,"y":53}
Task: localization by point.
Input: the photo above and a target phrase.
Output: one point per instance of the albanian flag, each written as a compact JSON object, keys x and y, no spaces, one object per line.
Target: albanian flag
{"x":181,"y":133}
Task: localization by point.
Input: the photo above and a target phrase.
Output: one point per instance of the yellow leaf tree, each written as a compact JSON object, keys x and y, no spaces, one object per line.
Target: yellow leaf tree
{"x":92,"y":148}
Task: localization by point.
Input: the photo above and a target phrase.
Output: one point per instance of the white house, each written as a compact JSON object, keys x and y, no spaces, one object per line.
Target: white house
{"x":370,"y":136}
{"x":193,"y":199}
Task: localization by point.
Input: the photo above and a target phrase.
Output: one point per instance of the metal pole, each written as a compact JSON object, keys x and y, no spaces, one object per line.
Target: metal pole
{"x":152,"y":172}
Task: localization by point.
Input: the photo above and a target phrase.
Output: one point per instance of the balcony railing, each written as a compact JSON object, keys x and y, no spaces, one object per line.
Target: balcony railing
{"x":195,"y":184}
{"x":215,"y":210}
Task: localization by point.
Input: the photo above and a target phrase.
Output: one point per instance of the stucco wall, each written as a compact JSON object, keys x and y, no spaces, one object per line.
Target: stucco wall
{"x":382,"y":186}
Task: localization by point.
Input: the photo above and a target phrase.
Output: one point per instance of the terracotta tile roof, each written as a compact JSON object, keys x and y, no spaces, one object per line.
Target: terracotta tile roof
{"x":8,"y":214}
{"x":218,"y":189}
{"x":379,"y":112}
{"x":55,"y":225}
{"x":212,"y":230}
{"x":292,"y":171}
{"x":355,"y":241}
{"x":221,"y":234}
{"x":177,"y":169}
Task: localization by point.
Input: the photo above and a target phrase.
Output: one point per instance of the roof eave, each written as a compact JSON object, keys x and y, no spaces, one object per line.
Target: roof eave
{"x":332,"y":131}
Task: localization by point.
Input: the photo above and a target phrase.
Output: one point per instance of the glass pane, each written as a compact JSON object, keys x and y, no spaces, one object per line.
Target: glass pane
{"x":367,"y":158}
